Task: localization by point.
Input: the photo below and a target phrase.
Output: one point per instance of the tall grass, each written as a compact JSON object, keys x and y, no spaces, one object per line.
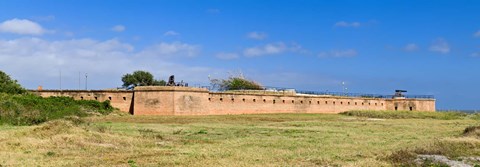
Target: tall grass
{"x":28,"y":109}
{"x":411,"y":115}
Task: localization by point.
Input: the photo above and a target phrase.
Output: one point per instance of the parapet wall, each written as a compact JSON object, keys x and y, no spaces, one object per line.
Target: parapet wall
{"x":164,"y":100}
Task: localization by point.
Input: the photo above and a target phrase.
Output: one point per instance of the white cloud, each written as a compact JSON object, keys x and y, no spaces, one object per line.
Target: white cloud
{"x":175,"y":49}
{"x":227,"y":56}
{"x":268,"y":49}
{"x":257,"y":35}
{"x":411,"y":47}
{"x":339,"y":53}
{"x":171,"y":33}
{"x":347,"y":24}
{"x":35,"y":61}
{"x":477,"y":34}
{"x":21,"y":26}
{"x":440,"y":45}
{"x":118,"y":28}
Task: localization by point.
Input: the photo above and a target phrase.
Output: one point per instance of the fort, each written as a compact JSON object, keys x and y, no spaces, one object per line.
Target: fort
{"x":174,"y":100}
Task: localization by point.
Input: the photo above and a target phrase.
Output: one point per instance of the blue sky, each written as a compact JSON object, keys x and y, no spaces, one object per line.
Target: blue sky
{"x":425,"y":47}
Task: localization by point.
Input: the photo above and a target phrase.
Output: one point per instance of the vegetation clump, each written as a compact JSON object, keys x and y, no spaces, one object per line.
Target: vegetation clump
{"x":9,"y":86}
{"x":141,"y":78}
{"x":407,"y":114}
{"x":28,"y":109}
{"x":238,"y":82}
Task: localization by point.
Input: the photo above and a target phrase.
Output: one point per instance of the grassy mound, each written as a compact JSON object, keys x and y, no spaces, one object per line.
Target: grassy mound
{"x":464,"y":148}
{"x":410,"y":115}
{"x":27,"y":109}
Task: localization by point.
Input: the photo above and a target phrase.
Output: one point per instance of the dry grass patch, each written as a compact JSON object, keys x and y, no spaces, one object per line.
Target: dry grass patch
{"x":229,"y":140}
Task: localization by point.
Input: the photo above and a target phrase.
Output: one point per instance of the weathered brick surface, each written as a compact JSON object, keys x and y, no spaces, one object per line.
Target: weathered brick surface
{"x":196,"y":101}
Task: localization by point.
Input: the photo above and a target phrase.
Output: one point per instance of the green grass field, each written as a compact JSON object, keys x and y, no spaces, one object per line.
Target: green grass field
{"x":230,"y":140}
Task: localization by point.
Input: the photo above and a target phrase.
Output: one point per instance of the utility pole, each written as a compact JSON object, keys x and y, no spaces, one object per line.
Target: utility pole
{"x":60,"y":81}
{"x":86,"y":79}
{"x":79,"y":83}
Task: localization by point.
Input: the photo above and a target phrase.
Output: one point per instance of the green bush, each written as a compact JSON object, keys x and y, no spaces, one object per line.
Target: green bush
{"x":10,"y":86}
{"x":408,"y":114}
{"x":28,"y":109}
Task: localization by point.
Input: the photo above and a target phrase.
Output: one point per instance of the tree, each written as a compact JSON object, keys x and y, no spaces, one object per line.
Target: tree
{"x":141,"y":78}
{"x":238,"y":82}
{"x":7,"y":85}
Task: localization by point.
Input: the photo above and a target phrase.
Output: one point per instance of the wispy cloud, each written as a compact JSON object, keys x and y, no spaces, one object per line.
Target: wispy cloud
{"x":339,"y":53}
{"x":227,"y":56}
{"x":440,"y":45}
{"x":411,"y":47}
{"x":257,"y":35}
{"x":272,"y":49}
{"x":175,"y":49}
{"x":118,"y":28}
{"x":476,"y":54}
{"x":22,"y":27}
{"x":477,"y":34}
{"x":171,"y":33}
{"x":347,"y":24}
{"x":213,"y":11}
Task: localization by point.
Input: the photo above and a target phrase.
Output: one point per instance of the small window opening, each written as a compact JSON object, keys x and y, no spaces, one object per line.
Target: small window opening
{"x":283,"y":101}
{"x":209,"y":99}
{"x":318,"y":102}
{"x":355,"y":103}
{"x":309,"y":102}
{"x":341,"y":102}
{"x":124,"y":98}
{"x":411,"y":108}
{"x":326,"y":102}
{"x":273,"y":101}
{"x":301,"y":101}
{"x":293,"y":101}
{"x":254,"y":100}
{"x":348,"y":103}
{"x":81,"y":97}
{"x":233,"y":100}
{"x":109,"y":98}
{"x":243,"y":100}
{"x":264,"y":100}
{"x":221,"y":99}
{"x":333,"y":103}
{"x":396,"y":108}
{"x":96,"y":98}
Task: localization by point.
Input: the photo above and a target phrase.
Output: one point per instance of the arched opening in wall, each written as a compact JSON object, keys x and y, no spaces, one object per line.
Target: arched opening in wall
{"x":318,"y":102}
{"x":341,"y":102}
{"x":333,"y":103}
{"x":355,"y":103}
{"x":221,"y":99}
{"x":375,"y":103}
{"x":362,"y":104}
{"x":411,"y":108}
{"x":293,"y":101}
{"x":301,"y":101}
{"x":264,"y":100}
{"x":283,"y":101}
{"x":81,"y":97}
{"x":109,"y":98}
{"x":348,"y":103}
{"x":254,"y":100}
{"x":243,"y":99}
{"x":273,"y":101}
{"x":233,"y":100}
{"x":96,"y":98}
{"x":124,"y":98}
{"x":382,"y":104}
{"x":326,"y":102}
{"x":209,"y":99}
{"x":309,"y":102}
{"x":368,"y":103}
{"x":396,"y":108}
